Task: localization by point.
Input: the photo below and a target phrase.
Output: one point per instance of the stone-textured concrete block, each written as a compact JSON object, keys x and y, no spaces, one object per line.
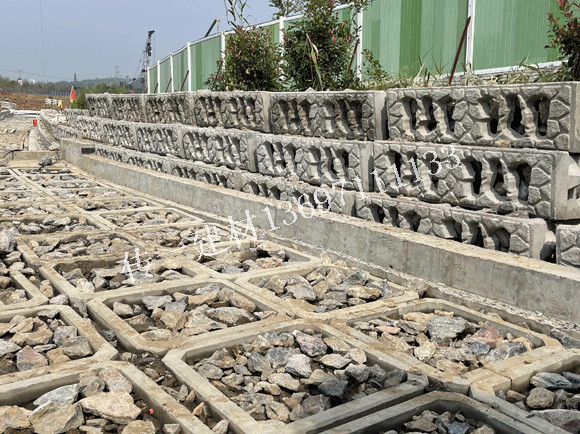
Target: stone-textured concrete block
{"x":99,"y":105}
{"x":170,"y":108}
{"x":521,"y":236}
{"x":205,"y":173}
{"x":543,"y":183}
{"x":159,"y":139}
{"x":334,"y":115}
{"x":230,"y":148}
{"x":568,"y":245}
{"x":128,"y":108}
{"x":542,"y":116}
{"x":240,"y":110}
{"x":314,"y":161}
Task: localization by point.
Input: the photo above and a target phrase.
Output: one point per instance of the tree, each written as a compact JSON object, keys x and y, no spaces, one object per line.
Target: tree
{"x":565,"y":36}
{"x":287,"y":8}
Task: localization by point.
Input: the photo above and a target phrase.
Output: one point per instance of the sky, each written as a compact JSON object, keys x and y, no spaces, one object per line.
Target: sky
{"x":92,"y":37}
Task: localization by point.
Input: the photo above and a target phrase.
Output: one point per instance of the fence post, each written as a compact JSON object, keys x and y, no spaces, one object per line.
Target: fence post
{"x":470,"y":35}
{"x":189,"y":66}
{"x":159,"y":75}
{"x":171,"y":72}
{"x":359,"y":48}
{"x":223,"y":48}
{"x":281,"y":33}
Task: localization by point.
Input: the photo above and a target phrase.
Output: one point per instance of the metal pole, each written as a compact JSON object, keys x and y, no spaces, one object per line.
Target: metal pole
{"x":470,"y":35}
{"x":148,"y":80}
{"x":463,"y":36}
{"x":171,"y":69}
{"x":359,"y":47}
{"x":189,"y":87}
{"x":158,"y":76}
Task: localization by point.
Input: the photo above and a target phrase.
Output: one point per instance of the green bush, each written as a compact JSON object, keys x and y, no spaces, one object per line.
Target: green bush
{"x":81,"y":102}
{"x":565,"y":36}
{"x":319,"y":48}
{"x":252,"y":60}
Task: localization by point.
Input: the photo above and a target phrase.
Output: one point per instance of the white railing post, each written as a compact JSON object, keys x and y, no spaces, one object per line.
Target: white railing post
{"x":190,"y":73}
{"x":359,"y":48}
{"x":470,"y":35}
{"x":159,"y":76}
{"x":223,"y":48}
{"x":281,"y":33}
{"x":171,"y":74}
{"x":148,"y":80}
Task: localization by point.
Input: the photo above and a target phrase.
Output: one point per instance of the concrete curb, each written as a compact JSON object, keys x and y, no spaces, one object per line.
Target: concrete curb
{"x":35,"y":297}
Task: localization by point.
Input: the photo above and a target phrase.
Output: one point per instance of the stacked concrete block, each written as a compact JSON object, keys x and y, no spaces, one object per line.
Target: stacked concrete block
{"x":202,"y":172}
{"x":72,"y":115}
{"x":333,"y":115}
{"x":240,"y":110}
{"x":169,"y":108}
{"x":158,"y":139}
{"x":99,"y":105}
{"x":568,"y":245}
{"x":519,"y":116}
{"x":128,"y":108}
{"x":314,"y":161}
{"x":230,"y":148}
{"x":521,"y":236}
{"x":505,"y":180}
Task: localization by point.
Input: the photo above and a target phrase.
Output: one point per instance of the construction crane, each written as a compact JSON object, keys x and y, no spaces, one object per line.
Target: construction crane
{"x":139,"y":83}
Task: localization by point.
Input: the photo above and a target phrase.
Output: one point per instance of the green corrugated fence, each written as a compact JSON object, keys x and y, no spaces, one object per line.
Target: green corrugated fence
{"x":402,"y":35}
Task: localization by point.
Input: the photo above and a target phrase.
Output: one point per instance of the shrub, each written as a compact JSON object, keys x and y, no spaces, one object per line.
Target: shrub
{"x":565,"y":36}
{"x":252,"y":60}
{"x":319,"y":48}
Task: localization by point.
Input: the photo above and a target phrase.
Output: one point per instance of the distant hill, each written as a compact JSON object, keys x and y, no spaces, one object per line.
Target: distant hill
{"x":59,"y":87}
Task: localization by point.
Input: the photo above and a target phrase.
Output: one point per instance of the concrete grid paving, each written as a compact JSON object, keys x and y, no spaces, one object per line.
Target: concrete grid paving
{"x":265,"y":335}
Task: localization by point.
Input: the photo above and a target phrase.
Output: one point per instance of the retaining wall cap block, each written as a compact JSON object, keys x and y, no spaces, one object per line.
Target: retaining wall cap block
{"x":542,"y":116}
{"x":568,"y":245}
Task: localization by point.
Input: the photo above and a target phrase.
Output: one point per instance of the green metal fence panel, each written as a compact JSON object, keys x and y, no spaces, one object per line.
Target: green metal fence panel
{"x":508,"y":32}
{"x":180,"y":70}
{"x":153,"y":88}
{"x":165,"y":76}
{"x":402,"y":34}
{"x":205,"y":56}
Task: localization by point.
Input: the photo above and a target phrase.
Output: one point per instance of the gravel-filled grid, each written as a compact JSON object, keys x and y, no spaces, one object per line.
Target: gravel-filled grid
{"x":84,"y":193}
{"x":80,"y":245}
{"x":35,"y":342}
{"x":32,"y":209}
{"x":45,"y":171}
{"x":137,"y":219}
{"x":123,"y":203}
{"x":48,"y":225}
{"x":154,"y":368}
{"x":43,"y":177}
{"x":554,"y":397}
{"x":88,"y":276}
{"x":10,"y":290}
{"x":448,"y":422}
{"x":445,"y":341}
{"x":187,"y":236}
{"x":52,"y":184}
{"x":22,"y":196}
{"x":11,"y":183}
{"x":288,"y":376}
{"x":244,"y":256}
{"x":99,"y":402}
{"x":329,"y":287}
{"x":208,"y":308}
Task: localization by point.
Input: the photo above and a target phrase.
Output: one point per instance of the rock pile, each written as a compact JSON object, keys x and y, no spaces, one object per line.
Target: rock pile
{"x":328,"y":288}
{"x":13,"y":184}
{"x":135,"y":220}
{"x":445,"y":423}
{"x":25,"y":196}
{"x":29,"y":343}
{"x":234,"y":259}
{"x":286,"y":377}
{"x":52,"y":171}
{"x":160,"y":318}
{"x":182,"y":237}
{"x":51,"y":184}
{"x":53,"y":248}
{"x":112,"y":205}
{"x":154,"y":368}
{"x":553,"y":397}
{"x":53,"y":176}
{"x":87,"y":193}
{"x":444,"y":341}
{"x":49,"y":225}
{"x":123,"y":274}
{"x":103,"y":402}
{"x":11,"y":261}
{"x":32,"y":209}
